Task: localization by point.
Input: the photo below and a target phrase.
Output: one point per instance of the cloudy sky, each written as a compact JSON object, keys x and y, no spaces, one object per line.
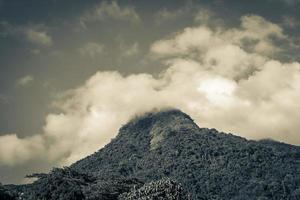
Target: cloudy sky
{"x":73,"y":71}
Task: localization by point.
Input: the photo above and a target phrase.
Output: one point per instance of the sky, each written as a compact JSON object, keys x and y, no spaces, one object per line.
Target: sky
{"x":72,"y":72}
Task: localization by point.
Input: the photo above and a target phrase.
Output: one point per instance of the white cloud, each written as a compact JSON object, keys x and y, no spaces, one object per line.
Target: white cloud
{"x":92,"y":49}
{"x":183,"y":43}
{"x":209,"y":75}
{"x":255,"y":34}
{"x":14,"y":150}
{"x":25,"y":81}
{"x":110,"y":10}
{"x":218,"y":90}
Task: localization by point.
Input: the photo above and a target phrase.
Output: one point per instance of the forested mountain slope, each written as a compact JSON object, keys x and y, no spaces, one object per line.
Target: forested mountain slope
{"x":209,"y":164}
{"x":166,"y":155}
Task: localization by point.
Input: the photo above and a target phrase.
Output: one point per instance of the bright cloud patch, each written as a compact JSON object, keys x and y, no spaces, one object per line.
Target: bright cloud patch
{"x":218,"y":91}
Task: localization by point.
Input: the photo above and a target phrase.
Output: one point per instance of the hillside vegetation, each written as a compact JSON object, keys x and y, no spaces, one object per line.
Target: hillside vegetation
{"x":166,"y":153}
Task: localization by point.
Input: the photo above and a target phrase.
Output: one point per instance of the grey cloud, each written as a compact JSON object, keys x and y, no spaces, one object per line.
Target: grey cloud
{"x":92,"y":49}
{"x":198,"y":11}
{"x":165,"y":15}
{"x":110,"y":10}
{"x":38,"y":37}
{"x":5,"y":99}
{"x":129,"y":50}
{"x":204,"y":15}
{"x":35,"y":34}
{"x":286,"y":2}
{"x":291,"y":2}
{"x":289,"y":21}
{"x":25,"y":81}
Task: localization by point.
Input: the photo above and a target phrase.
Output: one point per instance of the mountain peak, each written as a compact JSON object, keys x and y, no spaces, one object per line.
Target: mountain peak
{"x":166,"y":117}
{"x":159,"y":125}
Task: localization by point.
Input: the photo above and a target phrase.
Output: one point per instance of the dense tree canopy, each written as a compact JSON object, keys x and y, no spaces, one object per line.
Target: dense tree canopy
{"x":5,"y":194}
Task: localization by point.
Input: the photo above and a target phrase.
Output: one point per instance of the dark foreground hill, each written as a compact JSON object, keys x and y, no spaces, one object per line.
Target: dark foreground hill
{"x":165,"y":155}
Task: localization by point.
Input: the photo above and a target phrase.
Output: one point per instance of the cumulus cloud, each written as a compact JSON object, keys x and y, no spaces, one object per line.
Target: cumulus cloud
{"x":25,"y":81}
{"x":211,"y":75}
{"x":92,"y":49}
{"x":255,"y":34}
{"x":110,"y":10}
{"x":14,"y":150}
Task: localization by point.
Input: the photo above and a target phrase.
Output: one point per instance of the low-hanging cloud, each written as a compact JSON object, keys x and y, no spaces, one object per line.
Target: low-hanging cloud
{"x":211,"y":75}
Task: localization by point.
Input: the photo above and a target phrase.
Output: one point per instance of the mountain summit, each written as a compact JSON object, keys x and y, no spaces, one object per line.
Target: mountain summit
{"x":159,"y":125}
{"x":155,"y":152}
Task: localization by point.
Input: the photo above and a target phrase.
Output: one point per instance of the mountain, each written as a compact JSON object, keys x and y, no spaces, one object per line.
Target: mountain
{"x":166,"y":149}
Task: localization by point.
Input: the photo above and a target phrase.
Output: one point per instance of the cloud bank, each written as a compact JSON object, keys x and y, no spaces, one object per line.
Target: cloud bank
{"x":224,"y":78}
